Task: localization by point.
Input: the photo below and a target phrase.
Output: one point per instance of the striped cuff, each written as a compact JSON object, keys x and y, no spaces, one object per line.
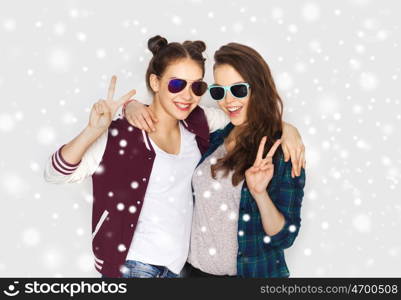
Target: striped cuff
{"x":61,"y":166}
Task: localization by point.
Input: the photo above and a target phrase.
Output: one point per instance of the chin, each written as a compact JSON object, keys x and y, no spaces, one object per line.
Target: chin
{"x":181,"y":115}
{"x":237,"y":121}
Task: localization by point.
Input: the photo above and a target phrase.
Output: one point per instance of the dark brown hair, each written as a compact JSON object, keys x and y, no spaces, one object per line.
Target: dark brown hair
{"x":264,"y":113}
{"x":165,"y":53}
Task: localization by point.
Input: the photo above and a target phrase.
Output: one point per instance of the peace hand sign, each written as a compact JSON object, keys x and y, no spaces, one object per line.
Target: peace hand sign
{"x":103,"y":111}
{"x":259,"y":175}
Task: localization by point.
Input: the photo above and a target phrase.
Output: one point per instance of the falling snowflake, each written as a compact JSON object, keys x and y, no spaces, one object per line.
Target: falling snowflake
{"x":121,"y":247}
{"x":267,"y":239}
{"x":310,"y":12}
{"x":207,"y":194}
{"x":120,"y":206}
{"x":362,"y":223}
{"x":31,"y":237}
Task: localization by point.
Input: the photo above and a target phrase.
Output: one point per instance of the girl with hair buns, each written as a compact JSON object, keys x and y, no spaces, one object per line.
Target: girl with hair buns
{"x":142,"y":198}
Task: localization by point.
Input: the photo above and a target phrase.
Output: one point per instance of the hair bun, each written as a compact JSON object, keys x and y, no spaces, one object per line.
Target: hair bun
{"x":200,"y":46}
{"x":156,"y":43}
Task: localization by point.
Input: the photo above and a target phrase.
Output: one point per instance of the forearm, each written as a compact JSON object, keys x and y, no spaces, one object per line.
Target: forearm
{"x":76,"y":148}
{"x":272,"y":219}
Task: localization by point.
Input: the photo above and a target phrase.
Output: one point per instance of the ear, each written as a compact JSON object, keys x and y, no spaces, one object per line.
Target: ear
{"x":154,"y":83}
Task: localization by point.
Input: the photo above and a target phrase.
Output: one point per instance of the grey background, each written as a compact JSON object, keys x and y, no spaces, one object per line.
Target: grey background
{"x":337,"y":64}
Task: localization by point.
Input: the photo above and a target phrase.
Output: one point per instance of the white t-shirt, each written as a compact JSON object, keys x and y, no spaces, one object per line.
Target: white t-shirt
{"x":163,"y":231}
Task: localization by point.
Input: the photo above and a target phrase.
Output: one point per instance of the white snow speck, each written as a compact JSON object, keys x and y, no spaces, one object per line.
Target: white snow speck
{"x":292,"y":228}
{"x":246,"y":217}
{"x":121,"y":248}
{"x":310,"y":12}
{"x":59,"y":28}
{"x":223,"y":207}
{"x":9,"y":25}
{"x":284,"y":81}
{"x":176,"y":20}
{"x":6,"y":122}
{"x":207,"y":194}
{"x":368,"y":81}
{"x":120,"y":206}
{"x":100,"y":170}
{"x":31,"y":237}
{"x":100,"y":53}
{"x":59,"y":60}
{"x":85,"y":262}
{"x":81,"y":36}
{"x":267,"y":239}
{"x":132,"y":209}
{"x":277,"y":13}
{"x":362,"y":223}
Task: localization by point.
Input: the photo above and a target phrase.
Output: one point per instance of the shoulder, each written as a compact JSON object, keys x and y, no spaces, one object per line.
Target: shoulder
{"x":197,"y":123}
{"x":121,"y":126}
{"x":197,"y":116}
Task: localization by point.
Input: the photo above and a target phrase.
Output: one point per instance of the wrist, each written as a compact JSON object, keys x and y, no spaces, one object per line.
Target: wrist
{"x":126,"y":104}
{"x":259,"y":196}
{"x":92,"y":133}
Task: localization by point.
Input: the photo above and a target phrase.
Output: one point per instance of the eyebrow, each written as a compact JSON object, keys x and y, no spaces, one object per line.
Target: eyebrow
{"x":230,"y":84}
{"x":186,"y":79}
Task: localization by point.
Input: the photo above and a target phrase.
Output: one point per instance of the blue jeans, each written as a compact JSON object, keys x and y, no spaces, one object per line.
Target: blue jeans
{"x":137,"y":269}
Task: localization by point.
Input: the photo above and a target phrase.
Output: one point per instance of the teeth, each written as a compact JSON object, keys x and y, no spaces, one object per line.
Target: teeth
{"x":233,"y":108}
{"x":182,"y":105}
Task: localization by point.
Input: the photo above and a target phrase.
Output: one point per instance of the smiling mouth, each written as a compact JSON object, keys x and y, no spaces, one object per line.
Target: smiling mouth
{"x":234,"y":110}
{"x":182,"y":106}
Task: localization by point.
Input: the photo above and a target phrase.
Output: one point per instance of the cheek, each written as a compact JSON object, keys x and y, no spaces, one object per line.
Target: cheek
{"x":245,"y":102}
{"x":221,"y":104}
{"x":196,"y":100}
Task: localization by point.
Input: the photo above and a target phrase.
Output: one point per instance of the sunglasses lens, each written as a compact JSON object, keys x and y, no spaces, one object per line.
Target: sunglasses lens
{"x":239,"y":90}
{"x":176,"y":85}
{"x":199,"y":87}
{"x":217,"y":93}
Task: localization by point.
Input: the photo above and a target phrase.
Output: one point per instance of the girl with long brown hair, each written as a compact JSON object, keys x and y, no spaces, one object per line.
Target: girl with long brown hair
{"x":247,"y":204}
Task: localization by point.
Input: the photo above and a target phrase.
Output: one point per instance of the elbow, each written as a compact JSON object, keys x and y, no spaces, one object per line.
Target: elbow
{"x":286,"y":236}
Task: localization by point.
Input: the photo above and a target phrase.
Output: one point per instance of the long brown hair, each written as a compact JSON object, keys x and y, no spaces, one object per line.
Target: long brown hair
{"x":264,"y":113}
{"x":165,"y":53}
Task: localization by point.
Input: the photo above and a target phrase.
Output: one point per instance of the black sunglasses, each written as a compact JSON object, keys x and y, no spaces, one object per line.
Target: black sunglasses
{"x":176,"y":85}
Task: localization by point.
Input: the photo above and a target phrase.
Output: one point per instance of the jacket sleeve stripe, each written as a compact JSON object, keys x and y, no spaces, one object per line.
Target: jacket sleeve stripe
{"x":57,"y":167}
{"x":68,"y":165}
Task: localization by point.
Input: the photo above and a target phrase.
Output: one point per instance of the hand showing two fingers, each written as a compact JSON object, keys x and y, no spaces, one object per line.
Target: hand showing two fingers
{"x":259,"y":175}
{"x":103,"y":111}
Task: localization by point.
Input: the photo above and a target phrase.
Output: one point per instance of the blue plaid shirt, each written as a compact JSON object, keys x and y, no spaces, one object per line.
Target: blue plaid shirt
{"x":260,"y":255}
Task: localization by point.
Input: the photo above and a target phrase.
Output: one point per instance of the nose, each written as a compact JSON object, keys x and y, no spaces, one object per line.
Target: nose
{"x":229,"y":97}
{"x":186,"y":94}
